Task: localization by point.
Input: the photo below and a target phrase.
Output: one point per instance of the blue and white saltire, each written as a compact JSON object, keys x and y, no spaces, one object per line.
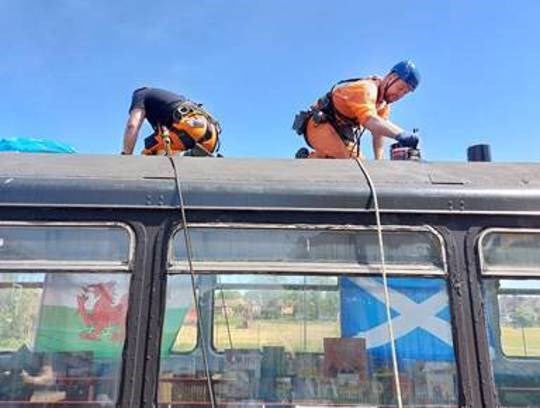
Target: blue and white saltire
{"x":420,"y":317}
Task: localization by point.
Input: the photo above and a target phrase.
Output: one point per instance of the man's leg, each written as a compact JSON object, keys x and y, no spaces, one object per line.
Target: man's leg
{"x":327,"y":142}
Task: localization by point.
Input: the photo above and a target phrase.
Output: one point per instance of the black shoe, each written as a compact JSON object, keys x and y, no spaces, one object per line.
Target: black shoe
{"x":302,"y":153}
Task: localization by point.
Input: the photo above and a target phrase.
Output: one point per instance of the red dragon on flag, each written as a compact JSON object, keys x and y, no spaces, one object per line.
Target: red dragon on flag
{"x":97,"y":307}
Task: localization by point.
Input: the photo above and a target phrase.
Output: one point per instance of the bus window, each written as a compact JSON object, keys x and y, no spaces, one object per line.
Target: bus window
{"x":316,"y":339}
{"x":60,"y":243}
{"x":512,"y":308}
{"x":353,"y":249}
{"x":61,"y":333}
{"x":180,"y":318}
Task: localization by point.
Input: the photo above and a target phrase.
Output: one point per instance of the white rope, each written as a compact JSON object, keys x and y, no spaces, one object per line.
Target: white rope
{"x":385,"y":281}
{"x":189,"y":253}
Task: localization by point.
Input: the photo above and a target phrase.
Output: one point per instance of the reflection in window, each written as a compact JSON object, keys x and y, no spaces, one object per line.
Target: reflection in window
{"x":260,"y":314}
{"x":318,"y":341}
{"x":520,"y":324}
{"x":19,"y":303}
{"x":180,"y":319}
{"x":63,"y":243}
{"x":513,"y":310}
{"x":511,"y":249}
{"x":310,"y":246}
{"x":65,"y":335}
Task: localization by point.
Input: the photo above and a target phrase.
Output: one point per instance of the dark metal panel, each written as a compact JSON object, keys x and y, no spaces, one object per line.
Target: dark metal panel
{"x":322,"y":185}
{"x":77,"y":166}
{"x":156,"y":302}
{"x":462,"y":322}
{"x":487,"y":386}
{"x":93,"y":192}
{"x":137,"y":323}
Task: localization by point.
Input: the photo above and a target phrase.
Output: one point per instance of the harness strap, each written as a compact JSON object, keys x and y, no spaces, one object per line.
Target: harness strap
{"x":186,"y":139}
{"x":181,"y":109}
{"x":346,"y":127}
{"x":192,"y":107}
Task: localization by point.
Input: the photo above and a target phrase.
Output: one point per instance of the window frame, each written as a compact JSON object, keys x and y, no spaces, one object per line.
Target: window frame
{"x":131,"y":267}
{"x":444,"y":243}
{"x":482,"y":273}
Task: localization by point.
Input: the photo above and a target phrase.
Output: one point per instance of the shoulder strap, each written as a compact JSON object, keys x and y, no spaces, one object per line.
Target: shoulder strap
{"x":345,"y":81}
{"x":328,"y":98}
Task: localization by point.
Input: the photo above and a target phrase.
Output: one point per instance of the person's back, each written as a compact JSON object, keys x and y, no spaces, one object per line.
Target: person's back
{"x":157,"y":103}
{"x":179,"y":124}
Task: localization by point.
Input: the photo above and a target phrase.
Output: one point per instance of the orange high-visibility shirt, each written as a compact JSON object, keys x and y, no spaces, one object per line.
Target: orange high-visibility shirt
{"x":358,"y":100}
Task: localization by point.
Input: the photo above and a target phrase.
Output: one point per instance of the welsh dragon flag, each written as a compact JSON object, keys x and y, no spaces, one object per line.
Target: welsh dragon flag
{"x":87,"y":312}
{"x":83,"y":312}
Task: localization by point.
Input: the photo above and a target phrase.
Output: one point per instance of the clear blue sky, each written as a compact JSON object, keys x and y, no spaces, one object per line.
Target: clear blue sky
{"x":69,"y":67}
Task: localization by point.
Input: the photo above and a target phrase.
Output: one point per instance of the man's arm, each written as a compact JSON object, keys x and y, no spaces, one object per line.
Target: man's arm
{"x":133,"y":125}
{"x":378,"y":146}
{"x":381,"y":127}
{"x":45,"y":377}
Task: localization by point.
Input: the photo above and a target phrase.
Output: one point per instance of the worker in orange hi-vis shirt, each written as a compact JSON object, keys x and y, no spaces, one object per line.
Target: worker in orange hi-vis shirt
{"x":335,"y":123}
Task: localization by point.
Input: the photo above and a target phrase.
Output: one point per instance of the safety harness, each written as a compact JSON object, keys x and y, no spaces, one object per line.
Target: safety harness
{"x":324,"y":111}
{"x":175,"y":129}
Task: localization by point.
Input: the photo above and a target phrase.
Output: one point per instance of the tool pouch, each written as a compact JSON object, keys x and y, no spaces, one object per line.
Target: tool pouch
{"x":150,"y":141}
{"x":300,"y":122}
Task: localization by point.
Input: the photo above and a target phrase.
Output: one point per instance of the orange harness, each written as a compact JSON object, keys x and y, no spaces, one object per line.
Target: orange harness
{"x":191,"y":127}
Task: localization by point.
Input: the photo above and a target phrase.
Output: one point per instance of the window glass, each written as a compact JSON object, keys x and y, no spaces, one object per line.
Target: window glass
{"x":180,"y":319}
{"x":256,"y":311}
{"x":316,"y":341}
{"x":511,"y":250}
{"x":63,"y":243}
{"x":62,"y":337}
{"x":309,"y":246}
{"x":513,"y":310}
{"x":520,"y":323}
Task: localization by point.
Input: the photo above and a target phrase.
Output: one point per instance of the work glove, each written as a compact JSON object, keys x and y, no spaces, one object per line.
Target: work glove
{"x":406,"y":139}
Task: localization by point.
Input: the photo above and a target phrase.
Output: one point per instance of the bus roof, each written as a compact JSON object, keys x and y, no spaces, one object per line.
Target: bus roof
{"x":62,"y":180}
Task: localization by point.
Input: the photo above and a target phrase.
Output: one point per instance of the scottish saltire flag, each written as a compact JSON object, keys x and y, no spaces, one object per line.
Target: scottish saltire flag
{"x":84,"y":313}
{"x":420,"y":317}
{"x":178,"y":301}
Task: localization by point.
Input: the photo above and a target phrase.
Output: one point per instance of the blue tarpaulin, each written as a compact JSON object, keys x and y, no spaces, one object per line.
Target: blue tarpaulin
{"x":31,"y":145}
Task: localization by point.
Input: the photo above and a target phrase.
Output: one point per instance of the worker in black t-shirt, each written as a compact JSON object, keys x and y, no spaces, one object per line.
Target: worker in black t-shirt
{"x":178,"y":123}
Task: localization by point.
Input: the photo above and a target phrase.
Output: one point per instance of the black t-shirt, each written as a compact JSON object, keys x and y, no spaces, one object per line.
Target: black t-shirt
{"x":157,"y":103}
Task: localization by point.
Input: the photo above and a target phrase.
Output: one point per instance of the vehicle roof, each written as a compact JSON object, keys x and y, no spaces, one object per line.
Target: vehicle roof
{"x":279,"y":184}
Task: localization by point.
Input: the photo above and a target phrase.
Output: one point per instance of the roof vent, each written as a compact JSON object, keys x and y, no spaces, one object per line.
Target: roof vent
{"x":479,"y":153}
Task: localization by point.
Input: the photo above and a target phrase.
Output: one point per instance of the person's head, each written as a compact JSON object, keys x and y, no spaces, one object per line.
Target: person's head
{"x":402,"y":79}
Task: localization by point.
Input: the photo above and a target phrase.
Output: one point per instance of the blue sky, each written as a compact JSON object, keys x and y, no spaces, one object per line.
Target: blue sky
{"x":69,"y":67}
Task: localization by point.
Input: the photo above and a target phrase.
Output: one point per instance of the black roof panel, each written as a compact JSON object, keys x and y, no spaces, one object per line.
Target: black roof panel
{"x":325,"y":185}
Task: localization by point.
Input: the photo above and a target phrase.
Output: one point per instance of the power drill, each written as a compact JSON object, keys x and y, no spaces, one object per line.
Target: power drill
{"x":399,"y":152}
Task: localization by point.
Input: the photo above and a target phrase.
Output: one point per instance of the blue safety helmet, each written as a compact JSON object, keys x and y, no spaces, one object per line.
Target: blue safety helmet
{"x":406,"y":71}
